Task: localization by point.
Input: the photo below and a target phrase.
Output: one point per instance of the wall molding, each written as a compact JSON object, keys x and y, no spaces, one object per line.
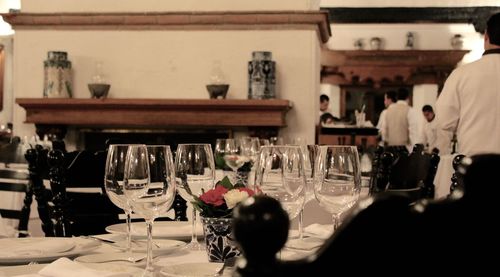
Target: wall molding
{"x":256,"y":20}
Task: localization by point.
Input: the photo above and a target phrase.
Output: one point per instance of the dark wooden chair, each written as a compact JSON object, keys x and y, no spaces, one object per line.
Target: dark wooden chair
{"x":454,"y":178}
{"x":12,"y":152}
{"x":77,"y":203}
{"x":385,"y":235}
{"x":16,"y":180}
{"x":396,"y":170}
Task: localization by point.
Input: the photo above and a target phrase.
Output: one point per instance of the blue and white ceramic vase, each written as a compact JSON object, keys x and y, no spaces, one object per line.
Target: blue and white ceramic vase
{"x":219,"y":239}
{"x":57,"y":76}
{"x":261,"y":76}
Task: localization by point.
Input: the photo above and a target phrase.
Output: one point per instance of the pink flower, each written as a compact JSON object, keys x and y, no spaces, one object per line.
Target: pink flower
{"x":214,"y":196}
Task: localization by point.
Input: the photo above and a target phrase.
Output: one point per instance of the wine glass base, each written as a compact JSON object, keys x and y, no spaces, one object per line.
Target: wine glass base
{"x":194,"y":246}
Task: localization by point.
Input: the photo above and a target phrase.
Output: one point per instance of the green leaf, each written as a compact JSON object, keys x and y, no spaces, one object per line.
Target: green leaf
{"x":226,"y":183}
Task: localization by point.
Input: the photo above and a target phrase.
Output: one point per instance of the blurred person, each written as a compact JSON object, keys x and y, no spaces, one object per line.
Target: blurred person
{"x":324,"y":104}
{"x":328,"y":118}
{"x":429,"y":128}
{"x":389,"y":99}
{"x":401,"y":122}
{"x":469,"y":103}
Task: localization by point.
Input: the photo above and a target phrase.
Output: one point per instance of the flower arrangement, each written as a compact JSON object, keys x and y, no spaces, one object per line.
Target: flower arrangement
{"x":220,"y":201}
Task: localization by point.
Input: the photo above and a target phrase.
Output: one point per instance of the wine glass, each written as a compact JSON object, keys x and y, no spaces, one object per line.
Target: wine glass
{"x":113,"y":183}
{"x":310,"y":155}
{"x":235,"y":158}
{"x":280,"y":175}
{"x":337,"y":179}
{"x":223,"y":147}
{"x":195,"y":169}
{"x":150,"y":187}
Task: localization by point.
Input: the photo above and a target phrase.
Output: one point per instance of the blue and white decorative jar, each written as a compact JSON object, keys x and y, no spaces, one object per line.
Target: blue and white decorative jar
{"x":57,"y":76}
{"x":261,"y":76}
{"x":219,"y":239}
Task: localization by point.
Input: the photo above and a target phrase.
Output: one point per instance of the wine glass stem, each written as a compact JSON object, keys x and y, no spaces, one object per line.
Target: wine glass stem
{"x":336,"y":222}
{"x":301,"y":224}
{"x":128,"y":215}
{"x":194,"y":238}
{"x":149,"y":261}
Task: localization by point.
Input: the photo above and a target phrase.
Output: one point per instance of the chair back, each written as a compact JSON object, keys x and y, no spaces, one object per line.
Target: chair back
{"x":12,"y":152}
{"x":394,"y":170}
{"x":384,"y":233}
{"x":17,"y":180}
{"x":77,"y":203}
{"x":86,"y":210}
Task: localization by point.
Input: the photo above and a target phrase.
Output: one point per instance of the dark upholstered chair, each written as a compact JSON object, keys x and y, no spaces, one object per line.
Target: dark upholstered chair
{"x":69,"y":208}
{"x":396,"y":170}
{"x":16,"y":180}
{"x":384,"y":235}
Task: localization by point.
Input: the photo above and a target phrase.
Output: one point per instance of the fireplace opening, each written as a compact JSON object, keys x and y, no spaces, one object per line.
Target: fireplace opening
{"x":95,"y":140}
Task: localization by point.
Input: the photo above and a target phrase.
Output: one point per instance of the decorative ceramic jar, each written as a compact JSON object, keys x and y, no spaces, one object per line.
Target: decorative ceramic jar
{"x":376,"y":43}
{"x":457,"y":42}
{"x":219,"y":239}
{"x":57,"y":75}
{"x":261,"y":76}
{"x":410,"y":41}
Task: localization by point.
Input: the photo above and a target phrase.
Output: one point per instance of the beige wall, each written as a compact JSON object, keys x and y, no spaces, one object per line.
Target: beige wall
{"x":173,"y":64}
{"x":165,"y":5}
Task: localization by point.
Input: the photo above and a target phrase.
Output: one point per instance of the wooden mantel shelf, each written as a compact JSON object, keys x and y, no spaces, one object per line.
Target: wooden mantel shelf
{"x":155,"y":113}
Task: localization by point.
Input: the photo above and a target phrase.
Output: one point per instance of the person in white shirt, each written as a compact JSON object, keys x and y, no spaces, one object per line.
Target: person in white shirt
{"x":470,"y":101}
{"x":429,"y":129}
{"x":401,"y":127}
{"x":389,"y":98}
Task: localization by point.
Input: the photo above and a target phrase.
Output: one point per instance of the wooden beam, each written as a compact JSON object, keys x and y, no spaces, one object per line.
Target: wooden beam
{"x":472,"y":15}
{"x":226,"y":20}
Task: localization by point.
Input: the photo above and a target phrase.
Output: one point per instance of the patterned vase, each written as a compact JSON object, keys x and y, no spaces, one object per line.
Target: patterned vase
{"x":219,"y":239}
{"x":261,"y":76}
{"x":57,"y":75}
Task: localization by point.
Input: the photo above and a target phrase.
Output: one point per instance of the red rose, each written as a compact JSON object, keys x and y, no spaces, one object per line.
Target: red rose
{"x":249,"y":191}
{"x":214,"y":196}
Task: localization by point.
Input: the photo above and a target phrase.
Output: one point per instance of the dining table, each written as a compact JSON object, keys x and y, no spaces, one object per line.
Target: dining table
{"x":106,"y":253}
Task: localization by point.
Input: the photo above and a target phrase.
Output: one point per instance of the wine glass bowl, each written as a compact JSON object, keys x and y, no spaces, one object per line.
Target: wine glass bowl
{"x":195,"y":169}
{"x":113,"y":183}
{"x":150,"y":187}
{"x":280,"y":175}
{"x":337,"y":179}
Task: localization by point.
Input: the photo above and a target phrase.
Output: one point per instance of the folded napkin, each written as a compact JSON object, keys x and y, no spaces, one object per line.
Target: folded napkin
{"x":34,"y":247}
{"x":319,"y":230}
{"x":305,"y":244}
{"x":65,"y":267}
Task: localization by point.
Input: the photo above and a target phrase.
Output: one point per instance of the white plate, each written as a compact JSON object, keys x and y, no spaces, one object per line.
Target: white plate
{"x":33,"y":269}
{"x":120,"y":258}
{"x":160,"y":246}
{"x":194,"y":270}
{"x":66,"y":247}
{"x":178,"y":230}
